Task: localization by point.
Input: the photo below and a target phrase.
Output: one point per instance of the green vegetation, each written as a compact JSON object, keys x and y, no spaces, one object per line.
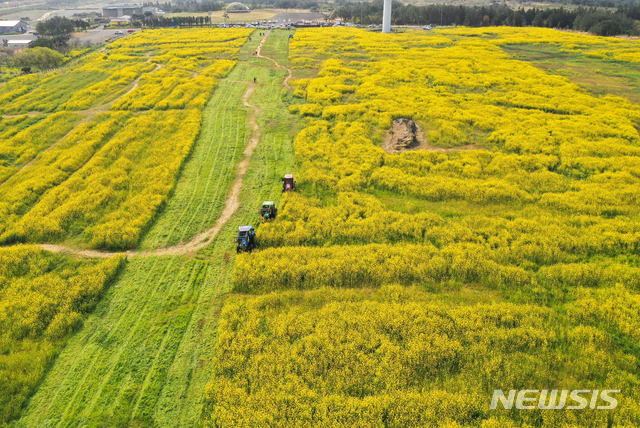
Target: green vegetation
{"x":202,"y":189}
{"x":38,"y":58}
{"x":146,"y":354}
{"x":43,"y":298}
{"x":600,"y":77}
{"x":393,"y":289}
{"x":359,"y":312}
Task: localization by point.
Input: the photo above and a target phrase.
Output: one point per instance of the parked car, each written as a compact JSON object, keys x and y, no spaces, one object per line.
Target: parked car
{"x":118,"y":32}
{"x":130,"y":31}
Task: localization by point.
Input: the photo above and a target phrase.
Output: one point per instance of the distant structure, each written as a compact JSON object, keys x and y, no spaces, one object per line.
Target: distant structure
{"x":120,"y":20}
{"x":13,"y":27}
{"x":386,"y":17}
{"x":18,"y":44}
{"x":237,"y":7}
{"x":118,"y":11}
{"x":153,"y":10}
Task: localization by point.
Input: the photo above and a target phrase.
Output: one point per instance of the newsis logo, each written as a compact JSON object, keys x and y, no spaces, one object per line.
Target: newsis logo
{"x":527,"y":399}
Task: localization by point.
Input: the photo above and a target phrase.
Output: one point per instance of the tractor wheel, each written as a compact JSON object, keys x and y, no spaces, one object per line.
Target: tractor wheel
{"x":238,"y":250}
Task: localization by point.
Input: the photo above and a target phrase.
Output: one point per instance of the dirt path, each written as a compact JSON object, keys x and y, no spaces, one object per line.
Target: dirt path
{"x":231,"y":203}
{"x":29,"y":113}
{"x":259,"y":55}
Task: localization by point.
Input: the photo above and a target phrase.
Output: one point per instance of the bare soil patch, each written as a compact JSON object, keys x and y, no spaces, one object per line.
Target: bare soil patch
{"x":407,"y":135}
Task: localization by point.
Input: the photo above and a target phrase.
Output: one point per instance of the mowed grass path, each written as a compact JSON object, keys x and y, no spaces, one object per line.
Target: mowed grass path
{"x":203,"y":185}
{"x":144,"y":356}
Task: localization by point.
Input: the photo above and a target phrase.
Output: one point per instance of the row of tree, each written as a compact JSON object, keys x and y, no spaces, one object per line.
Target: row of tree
{"x":591,"y":3}
{"x":176,"y":21}
{"x":211,"y":6}
{"x":56,"y":32}
{"x":593,"y":20}
{"x":187,"y":6}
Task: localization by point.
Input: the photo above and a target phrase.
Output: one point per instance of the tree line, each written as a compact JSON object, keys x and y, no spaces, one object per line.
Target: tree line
{"x":212,"y":6}
{"x":176,"y":21}
{"x":187,"y":6}
{"x":593,"y":20}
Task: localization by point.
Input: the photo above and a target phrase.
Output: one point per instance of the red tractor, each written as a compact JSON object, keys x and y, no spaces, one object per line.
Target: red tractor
{"x":288,"y":183}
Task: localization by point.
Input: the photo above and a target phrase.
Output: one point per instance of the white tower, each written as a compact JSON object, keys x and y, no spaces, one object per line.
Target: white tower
{"x":386,"y":17}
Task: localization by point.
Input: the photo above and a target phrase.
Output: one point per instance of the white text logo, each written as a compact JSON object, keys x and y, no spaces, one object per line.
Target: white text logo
{"x":545,"y":399}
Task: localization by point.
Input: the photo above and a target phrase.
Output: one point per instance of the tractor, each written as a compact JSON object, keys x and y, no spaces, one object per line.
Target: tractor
{"x":268,"y":210}
{"x":288,"y":183}
{"x":246,"y":239}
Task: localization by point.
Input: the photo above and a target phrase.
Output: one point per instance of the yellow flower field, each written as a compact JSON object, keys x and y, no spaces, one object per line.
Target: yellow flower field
{"x":402,"y":289}
{"x":43,"y":298}
{"x":119,"y":125}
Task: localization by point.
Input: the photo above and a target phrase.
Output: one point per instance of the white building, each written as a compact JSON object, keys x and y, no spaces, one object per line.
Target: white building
{"x":118,"y":11}
{"x":153,"y":10}
{"x":13,"y":27}
{"x":18,"y":44}
{"x":121,"y":20}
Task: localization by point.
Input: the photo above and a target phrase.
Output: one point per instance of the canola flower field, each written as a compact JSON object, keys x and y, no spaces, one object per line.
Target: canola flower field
{"x":510,"y":264}
{"x":92,"y":152}
{"x":392,"y":290}
{"x":144,"y":355}
{"x":43,"y":298}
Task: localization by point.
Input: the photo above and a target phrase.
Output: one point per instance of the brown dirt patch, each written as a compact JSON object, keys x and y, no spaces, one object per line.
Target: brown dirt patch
{"x":407,"y":135}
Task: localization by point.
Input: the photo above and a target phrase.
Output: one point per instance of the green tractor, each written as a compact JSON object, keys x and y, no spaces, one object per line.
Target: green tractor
{"x":268,"y":210}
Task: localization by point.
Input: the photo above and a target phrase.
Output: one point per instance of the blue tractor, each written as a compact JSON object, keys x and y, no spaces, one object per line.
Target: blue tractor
{"x":246,"y":239}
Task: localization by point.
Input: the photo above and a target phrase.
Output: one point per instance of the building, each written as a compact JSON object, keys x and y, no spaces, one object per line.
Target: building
{"x":121,"y":20}
{"x":13,"y":27}
{"x":18,"y":44}
{"x":118,"y":11}
{"x":153,"y":10}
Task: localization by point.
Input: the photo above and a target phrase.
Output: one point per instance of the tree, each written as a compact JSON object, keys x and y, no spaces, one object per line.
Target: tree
{"x":42,"y":42}
{"x":38,"y":57}
{"x":56,"y":26}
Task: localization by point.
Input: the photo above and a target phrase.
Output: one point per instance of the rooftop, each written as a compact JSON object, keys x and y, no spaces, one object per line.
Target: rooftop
{"x":9,"y":23}
{"x":123,"y":6}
